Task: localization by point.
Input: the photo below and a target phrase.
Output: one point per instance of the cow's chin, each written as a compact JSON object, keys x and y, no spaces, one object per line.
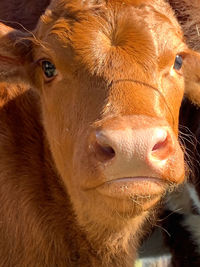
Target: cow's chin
{"x":116,"y":201}
{"x":130,"y":196}
{"x":131,"y":207}
{"x":96,"y":206}
{"x":102,"y":212}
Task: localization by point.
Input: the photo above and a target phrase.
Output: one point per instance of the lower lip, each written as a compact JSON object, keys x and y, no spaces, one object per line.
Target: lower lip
{"x":142,"y":187}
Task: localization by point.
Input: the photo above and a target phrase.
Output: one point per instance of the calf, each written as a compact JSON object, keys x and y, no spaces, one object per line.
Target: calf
{"x":87,"y":155}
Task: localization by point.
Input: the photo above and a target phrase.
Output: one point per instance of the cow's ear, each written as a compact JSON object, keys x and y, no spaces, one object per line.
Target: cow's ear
{"x":191,"y":72}
{"x":15,"y":54}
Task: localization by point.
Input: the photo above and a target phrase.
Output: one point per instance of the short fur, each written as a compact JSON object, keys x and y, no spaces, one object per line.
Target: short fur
{"x":52,"y":213}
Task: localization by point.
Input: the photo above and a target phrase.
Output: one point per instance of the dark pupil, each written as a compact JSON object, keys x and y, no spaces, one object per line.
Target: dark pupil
{"x":48,"y":68}
{"x":178,"y":62}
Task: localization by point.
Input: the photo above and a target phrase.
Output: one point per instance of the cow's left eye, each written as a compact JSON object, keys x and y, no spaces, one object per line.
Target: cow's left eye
{"x":49,"y":69}
{"x":178,"y":62}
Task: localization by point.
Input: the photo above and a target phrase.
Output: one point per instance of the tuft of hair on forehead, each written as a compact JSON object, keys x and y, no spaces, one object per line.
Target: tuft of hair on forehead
{"x":114,"y":34}
{"x":75,"y":9}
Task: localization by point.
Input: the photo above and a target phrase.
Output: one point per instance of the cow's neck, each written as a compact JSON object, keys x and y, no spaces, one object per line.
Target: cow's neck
{"x":107,"y":250}
{"x":111,"y":246}
{"x":115,"y":247}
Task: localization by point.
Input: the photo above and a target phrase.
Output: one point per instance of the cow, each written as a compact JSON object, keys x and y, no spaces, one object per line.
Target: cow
{"x":89,"y":144}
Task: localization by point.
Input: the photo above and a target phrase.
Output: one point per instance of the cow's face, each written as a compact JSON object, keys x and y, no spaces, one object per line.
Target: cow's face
{"x":111,"y":84}
{"x":111,"y":87}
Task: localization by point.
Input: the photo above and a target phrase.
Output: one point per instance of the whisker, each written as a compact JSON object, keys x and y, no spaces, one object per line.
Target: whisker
{"x":171,"y":213}
{"x":192,"y":156}
{"x":162,"y":228}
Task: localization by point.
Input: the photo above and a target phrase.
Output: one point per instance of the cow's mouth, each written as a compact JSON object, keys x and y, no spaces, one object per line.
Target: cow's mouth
{"x":142,"y":188}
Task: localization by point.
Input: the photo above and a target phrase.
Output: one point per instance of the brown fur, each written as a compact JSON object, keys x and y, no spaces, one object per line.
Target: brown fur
{"x":110,"y":74}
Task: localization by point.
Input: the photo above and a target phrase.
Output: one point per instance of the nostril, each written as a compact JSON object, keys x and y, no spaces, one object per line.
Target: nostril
{"x":104,"y":152}
{"x":160,"y":145}
{"x":108,"y":150}
{"x":163,"y":147}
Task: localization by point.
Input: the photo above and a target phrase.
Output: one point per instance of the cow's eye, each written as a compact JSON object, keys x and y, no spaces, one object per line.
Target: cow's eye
{"x":178,"y":62}
{"x":49,"y":69}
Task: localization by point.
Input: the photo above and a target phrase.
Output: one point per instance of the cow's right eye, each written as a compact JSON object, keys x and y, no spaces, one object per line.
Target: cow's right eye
{"x":49,"y":69}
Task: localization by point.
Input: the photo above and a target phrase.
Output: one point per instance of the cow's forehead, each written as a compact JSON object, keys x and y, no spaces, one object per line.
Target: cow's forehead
{"x":78,"y":9}
{"x":115,"y":35}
